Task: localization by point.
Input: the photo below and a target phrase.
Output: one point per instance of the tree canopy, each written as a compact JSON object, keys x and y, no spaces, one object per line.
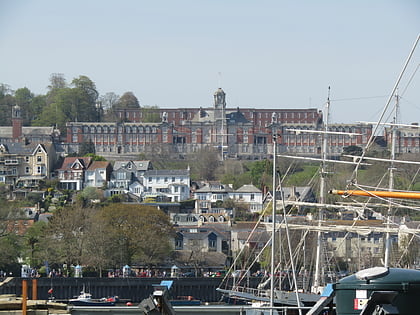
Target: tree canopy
{"x":128,"y":100}
{"x":107,"y":237}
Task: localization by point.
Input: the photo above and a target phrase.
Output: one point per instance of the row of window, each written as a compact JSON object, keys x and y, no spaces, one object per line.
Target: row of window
{"x":111,"y":130}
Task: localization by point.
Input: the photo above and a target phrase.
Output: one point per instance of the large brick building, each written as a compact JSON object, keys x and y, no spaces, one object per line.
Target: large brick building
{"x":237,"y":133}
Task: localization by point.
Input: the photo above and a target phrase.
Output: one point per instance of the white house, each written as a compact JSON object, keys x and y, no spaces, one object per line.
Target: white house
{"x":97,"y":174}
{"x":175,"y":184}
{"x":214,"y":191}
{"x":249,"y":194}
{"x":127,"y":177}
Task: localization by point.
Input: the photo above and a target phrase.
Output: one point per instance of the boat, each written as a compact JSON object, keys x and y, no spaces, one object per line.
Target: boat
{"x":185,"y":301}
{"x":85,"y":299}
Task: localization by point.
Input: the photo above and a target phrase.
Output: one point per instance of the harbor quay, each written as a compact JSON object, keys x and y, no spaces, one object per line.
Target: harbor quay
{"x":127,"y":289}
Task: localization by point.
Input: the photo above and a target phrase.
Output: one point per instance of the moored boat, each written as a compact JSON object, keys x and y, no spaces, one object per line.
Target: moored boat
{"x":85,"y":299}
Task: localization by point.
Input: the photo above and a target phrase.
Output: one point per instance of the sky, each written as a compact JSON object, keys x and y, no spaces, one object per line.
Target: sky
{"x":264,"y":54}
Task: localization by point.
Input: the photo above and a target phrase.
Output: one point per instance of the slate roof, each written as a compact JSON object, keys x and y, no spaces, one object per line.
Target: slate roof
{"x":248,"y":189}
{"x":236,"y":117}
{"x":257,"y":236}
{"x":167,"y":173}
{"x":98,"y":164}
{"x":69,"y":161}
{"x":214,"y":187}
{"x":19,"y":148}
{"x":139,"y":165}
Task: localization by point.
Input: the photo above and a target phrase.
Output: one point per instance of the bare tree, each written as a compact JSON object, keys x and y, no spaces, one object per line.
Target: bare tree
{"x":57,"y":81}
{"x":206,"y":161}
{"x":109,"y":100}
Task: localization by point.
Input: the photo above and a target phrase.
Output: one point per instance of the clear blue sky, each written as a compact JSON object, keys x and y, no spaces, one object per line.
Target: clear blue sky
{"x":270,"y":54}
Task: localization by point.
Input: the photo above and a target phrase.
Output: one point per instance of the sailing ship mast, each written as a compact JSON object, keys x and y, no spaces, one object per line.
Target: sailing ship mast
{"x":391,"y":184}
{"x":273,"y":232}
{"x":317,"y":279}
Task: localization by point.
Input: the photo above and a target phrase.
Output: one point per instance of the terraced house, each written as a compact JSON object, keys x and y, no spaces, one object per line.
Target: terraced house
{"x":25,"y":166}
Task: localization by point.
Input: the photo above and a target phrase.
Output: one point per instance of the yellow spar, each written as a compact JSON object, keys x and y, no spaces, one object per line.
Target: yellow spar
{"x":374,"y":193}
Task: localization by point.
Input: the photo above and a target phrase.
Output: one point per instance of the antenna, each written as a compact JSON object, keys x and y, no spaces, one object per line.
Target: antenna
{"x":220,"y":79}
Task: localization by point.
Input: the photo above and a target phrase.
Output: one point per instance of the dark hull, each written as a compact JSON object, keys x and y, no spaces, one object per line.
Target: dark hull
{"x":185,"y":302}
{"x":91,"y":303}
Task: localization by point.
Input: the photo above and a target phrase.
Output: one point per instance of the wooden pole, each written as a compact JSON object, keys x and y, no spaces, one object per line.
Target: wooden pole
{"x":34,"y":289}
{"x":24,"y":296}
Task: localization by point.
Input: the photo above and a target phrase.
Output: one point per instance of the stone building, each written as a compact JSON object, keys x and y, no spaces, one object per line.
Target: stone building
{"x":236,"y":133}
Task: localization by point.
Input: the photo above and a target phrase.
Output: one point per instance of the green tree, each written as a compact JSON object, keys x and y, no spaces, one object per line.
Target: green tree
{"x":139,"y":233}
{"x":66,"y":234}
{"x":261,"y":173}
{"x":39,"y":102}
{"x":6,"y":102}
{"x":99,"y":249}
{"x":63,"y":104}
{"x":32,"y":243}
{"x":88,"y":194}
{"x":58,"y":109}
{"x":128,"y":100}
{"x":24,"y":98}
{"x":10,"y":247}
{"x":84,"y":99}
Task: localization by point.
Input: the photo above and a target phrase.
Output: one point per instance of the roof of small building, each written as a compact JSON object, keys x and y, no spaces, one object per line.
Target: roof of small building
{"x":245,"y":225}
{"x":256,"y":237}
{"x":167,"y":173}
{"x":21,"y":148}
{"x":248,"y":188}
{"x":214,"y":187}
{"x":138,"y":165}
{"x":69,"y":161}
{"x":98,"y":164}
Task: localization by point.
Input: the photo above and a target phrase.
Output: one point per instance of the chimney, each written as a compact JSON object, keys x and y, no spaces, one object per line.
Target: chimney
{"x":16,"y":123}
